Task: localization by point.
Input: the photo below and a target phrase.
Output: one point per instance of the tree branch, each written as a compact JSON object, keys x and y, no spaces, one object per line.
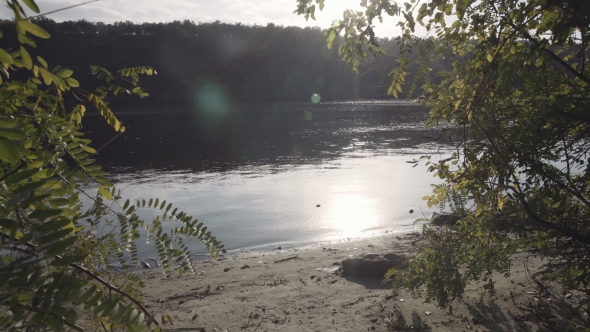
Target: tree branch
{"x":556,"y":58}
{"x":111,"y":287}
{"x":565,"y":231}
{"x":97,"y":278}
{"x":12,"y":172}
{"x":542,"y":222}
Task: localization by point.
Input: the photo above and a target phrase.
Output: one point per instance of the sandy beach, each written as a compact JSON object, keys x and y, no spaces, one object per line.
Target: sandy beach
{"x":298,"y":290}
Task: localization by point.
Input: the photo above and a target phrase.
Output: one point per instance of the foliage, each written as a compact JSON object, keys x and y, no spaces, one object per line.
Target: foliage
{"x":515,"y":102}
{"x":60,"y":243}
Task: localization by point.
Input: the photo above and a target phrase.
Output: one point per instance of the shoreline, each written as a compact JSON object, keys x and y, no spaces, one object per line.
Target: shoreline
{"x":297,"y":290}
{"x":268,"y":248}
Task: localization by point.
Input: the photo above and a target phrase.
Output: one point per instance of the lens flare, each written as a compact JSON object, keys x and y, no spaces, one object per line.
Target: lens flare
{"x":212,"y":99}
{"x":315,"y":98}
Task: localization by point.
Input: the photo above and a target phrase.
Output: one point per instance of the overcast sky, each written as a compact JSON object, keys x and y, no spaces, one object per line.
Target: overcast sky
{"x":279,"y":12}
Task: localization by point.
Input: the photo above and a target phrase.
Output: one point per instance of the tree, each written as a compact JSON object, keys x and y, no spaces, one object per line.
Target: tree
{"x":55,"y":260}
{"x":515,"y":102}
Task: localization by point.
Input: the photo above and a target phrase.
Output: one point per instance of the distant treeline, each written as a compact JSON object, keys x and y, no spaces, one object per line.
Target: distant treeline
{"x":246,"y":62}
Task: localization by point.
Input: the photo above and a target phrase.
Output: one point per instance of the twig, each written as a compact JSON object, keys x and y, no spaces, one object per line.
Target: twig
{"x":287,"y":259}
{"x":12,"y":172}
{"x":111,"y":287}
{"x":64,"y":8}
{"x":110,"y":141}
{"x":423,"y":215}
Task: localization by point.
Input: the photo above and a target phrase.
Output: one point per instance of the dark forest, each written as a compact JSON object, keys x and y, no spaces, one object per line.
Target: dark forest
{"x":248,"y":63}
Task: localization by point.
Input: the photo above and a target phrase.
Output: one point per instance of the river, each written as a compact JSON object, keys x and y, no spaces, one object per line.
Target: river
{"x":262,"y":176}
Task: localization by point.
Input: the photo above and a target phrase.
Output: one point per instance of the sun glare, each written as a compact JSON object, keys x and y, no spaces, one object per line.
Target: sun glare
{"x":350,"y":214}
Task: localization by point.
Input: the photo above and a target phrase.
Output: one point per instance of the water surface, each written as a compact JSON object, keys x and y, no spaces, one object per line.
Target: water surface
{"x":255,"y":173}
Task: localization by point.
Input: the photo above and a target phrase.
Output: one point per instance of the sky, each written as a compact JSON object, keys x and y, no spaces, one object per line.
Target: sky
{"x":261,"y":12}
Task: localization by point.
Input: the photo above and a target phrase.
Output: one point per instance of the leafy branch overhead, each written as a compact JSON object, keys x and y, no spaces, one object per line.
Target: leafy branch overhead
{"x":514,"y":104}
{"x":63,"y":225}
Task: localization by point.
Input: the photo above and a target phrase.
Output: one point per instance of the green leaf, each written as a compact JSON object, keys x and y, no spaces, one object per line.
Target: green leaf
{"x":59,"y":202}
{"x":9,"y":151}
{"x":27,"y":61}
{"x":84,"y":297}
{"x":462,"y":6}
{"x":34,"y":29}
{"x":6,"y":122}
{"x":105,"y":192}
{"x":88,"y":149}
{"x":47,"y":77}
{"x":61,"y":246}
{"x":28,"y":187}
{"x":31,"y":4}
{"x":20,"y":176}
{"x":56,"y":224}
{"x":44,"y":174}
{"x":33,"y":199}
{"x":65,"y":73}
{"x":5,"y":57}
{"x":72,"y":82}
{"x":12,"y":133}
{"x":25,"y":297}
{"x":104,"y":181}
{"x":42,"y":62}
{"x":44,"y":213}
{"x":25,"y":39}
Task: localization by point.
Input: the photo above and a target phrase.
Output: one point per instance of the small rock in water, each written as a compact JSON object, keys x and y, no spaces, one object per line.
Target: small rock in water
{"x":318,"y":205}
{"x":411,"y":211}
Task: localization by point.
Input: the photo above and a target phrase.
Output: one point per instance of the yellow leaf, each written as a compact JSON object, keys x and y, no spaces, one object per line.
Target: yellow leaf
{"x":5,"y":57}
{"x":105,"y":192}
{"x":166,"y":319}
{"x":46,"y":76}
{"x":33,"y":29}
{"x":27,"y":61}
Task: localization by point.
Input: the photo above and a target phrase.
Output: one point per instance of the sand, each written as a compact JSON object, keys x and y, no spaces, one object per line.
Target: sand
{"x":297,"y":290}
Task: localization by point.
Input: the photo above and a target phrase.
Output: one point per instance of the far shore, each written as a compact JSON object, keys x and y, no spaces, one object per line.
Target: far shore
{"x":297,"y":289}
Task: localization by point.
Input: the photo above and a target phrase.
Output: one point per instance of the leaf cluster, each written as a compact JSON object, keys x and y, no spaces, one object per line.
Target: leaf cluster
{"x":515,"y":101}
{"x":64,"y":228}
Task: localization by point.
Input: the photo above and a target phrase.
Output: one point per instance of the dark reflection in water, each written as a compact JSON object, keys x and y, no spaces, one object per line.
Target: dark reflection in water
{"x":180,"y":137}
